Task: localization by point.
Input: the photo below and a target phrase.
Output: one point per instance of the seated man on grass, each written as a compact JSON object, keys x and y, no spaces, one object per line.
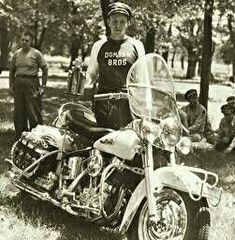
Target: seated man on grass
{"x":225,"y":138}
{"x":196,"y":116}
{"x":231,"y":102}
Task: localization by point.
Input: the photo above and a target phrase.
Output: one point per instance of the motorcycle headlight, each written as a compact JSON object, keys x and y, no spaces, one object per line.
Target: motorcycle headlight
{"x":152,"y":129}
{"x":171,"y":132}
{"x":184,"y":145}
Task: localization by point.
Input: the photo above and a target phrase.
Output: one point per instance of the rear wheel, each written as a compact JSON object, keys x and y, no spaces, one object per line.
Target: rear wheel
{"x":180,"y":218}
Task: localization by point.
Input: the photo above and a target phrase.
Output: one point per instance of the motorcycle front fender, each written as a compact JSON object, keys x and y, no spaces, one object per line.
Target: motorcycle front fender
{"x":176,"y":177}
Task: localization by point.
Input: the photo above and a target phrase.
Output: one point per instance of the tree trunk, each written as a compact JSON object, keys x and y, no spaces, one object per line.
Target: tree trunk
{"x":35,"y":42}
{"x":165,"y":55}
{"x":150,"y":40}
{"x":41,"y":37}
{"x":76,"y":43}
{"x":232,"y":38}
{"x":173,"y":59}
{"x":233,"y":66}
{"x":192,"y":63}
{"x":206,"y":53}
{"x":199,"y":70}
{"x":166,"y":51}
{"x":182,"y":62}
{"x":4,"y":47}
{"x":104,"y":7}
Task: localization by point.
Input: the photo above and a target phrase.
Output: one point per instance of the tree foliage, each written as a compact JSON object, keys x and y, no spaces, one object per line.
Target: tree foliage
{"x":50,"y":20}
{"x":62,"y":25}
{"x":5,"y":14}
{"x":226,"y":26}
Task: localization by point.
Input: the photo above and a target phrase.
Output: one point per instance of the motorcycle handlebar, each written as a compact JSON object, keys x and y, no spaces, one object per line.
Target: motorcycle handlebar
{"x":108,"y":96}
{"x":97,"y":97}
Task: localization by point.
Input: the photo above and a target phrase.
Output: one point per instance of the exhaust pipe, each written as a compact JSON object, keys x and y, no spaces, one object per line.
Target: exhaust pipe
{"x":43,"y":196}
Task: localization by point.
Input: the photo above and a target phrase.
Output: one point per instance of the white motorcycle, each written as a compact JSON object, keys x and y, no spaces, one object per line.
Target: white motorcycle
{"x":128,"y":179}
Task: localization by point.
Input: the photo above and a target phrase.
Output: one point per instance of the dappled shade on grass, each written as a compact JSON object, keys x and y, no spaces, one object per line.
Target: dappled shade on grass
{"x":70,"y":227}
{"x":37,"y":213}
{"x":6,"y":108}
{"x":214,"y":161}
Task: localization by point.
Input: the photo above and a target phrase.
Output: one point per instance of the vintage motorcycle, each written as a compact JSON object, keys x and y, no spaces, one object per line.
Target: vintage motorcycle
{"x":129,"y":179}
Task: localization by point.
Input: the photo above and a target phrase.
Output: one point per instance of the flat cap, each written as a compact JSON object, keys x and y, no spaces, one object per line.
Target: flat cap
{"x":225,"y":108}
{"x":190,"y":93}
{"x":119,"y":7}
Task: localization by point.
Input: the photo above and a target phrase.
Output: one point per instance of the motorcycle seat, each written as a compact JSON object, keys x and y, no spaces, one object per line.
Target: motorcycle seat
{"x":84,"y":122}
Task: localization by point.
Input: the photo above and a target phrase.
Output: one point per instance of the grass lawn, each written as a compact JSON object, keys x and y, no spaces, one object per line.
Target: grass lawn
{"x":24,"y":218}
{"x":42,"y":221}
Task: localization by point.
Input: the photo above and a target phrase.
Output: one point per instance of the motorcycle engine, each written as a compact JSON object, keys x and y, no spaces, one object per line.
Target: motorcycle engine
{"x":95,"y":165}
{"x":89,"y":194}
{"x":27,"y":150}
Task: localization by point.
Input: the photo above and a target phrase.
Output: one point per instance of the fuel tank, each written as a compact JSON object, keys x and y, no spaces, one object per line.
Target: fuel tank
{"x":123,"y":143}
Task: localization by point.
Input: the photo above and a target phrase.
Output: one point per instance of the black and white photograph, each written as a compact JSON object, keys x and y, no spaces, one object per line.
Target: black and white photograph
{"x":117,"y":120}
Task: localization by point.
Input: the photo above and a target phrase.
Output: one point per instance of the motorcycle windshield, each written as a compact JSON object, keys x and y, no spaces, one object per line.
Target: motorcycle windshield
{"x":150,"y":88}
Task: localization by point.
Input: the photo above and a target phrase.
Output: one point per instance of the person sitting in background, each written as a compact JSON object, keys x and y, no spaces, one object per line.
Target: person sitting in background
{"x":231,"y":101}
{"x":196,"y":116}
{"x":225,"y":140}
{"x":209,"y":133}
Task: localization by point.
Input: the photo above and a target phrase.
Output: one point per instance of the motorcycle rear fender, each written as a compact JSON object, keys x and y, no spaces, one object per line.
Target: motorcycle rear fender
{"x":52,"y":135}
{"x":177,"y":177}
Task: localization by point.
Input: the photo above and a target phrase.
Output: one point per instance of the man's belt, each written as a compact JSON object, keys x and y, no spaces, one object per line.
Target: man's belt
{"x":26,"y":76}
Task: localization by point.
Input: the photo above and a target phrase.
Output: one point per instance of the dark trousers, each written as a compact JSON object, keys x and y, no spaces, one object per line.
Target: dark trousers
{"x":27,"y":104}
{"x":221,"y":146}
{"x":112,"y":113}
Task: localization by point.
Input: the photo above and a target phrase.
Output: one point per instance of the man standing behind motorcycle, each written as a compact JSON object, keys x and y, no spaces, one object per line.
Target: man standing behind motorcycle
{"x":25,"y":86}
{"x":110,"y":61}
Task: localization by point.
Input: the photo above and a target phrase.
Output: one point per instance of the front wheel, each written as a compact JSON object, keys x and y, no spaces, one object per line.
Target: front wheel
{"x":180,"y":218}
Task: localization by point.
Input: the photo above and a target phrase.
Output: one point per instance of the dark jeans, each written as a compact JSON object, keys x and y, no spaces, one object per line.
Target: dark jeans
{"x":27,"y":104}
{"x":112,"y":113}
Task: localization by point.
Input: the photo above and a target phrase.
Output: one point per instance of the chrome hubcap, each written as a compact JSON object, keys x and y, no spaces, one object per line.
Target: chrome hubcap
{"x":172,"y":215}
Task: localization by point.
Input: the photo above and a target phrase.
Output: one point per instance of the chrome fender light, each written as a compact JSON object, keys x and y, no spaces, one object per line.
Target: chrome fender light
{"x":184,"y":145}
